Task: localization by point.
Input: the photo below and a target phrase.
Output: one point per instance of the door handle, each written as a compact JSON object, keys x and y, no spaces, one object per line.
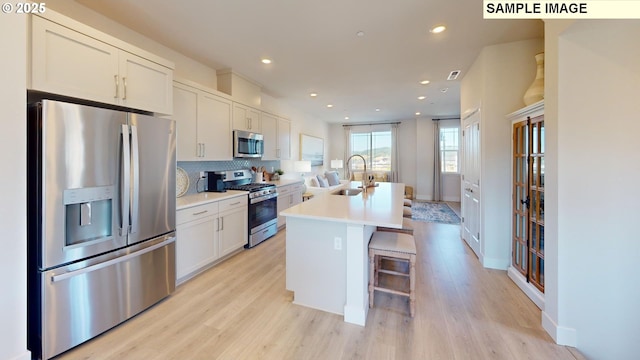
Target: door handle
{"x":115,"y":78}
{"x":125,"y":184}
{"x":526,"y":202}
{"x":135,"y":178}
{"x":67,"y":275}
{"x":124,"y":85}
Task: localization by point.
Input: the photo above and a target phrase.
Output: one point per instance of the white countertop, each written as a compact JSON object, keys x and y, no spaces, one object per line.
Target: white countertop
{"x":378,"y":206}
{"x":285,"y":182}
{"x":202,"y":198}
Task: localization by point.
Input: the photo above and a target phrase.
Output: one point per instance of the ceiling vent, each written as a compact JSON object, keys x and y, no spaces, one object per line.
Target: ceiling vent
{"x":453,"y":75}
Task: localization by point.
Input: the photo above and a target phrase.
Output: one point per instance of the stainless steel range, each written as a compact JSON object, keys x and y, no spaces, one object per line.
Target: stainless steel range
{"x":263,"y":204}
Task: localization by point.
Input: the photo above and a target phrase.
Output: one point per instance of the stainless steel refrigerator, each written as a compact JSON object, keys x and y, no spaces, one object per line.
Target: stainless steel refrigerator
{"x":101,"y":220}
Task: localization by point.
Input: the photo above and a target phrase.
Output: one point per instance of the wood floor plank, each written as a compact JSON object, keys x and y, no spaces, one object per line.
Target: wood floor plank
{"x":240,"y":309}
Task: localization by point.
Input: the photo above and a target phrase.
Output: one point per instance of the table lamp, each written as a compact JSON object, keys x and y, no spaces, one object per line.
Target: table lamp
{"x":302,"y":166}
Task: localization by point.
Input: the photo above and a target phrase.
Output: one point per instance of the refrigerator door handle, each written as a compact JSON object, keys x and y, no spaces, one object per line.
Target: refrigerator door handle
{"x":67,"y":275}
{"x":125,"y":181}
{"x":135,"y":178}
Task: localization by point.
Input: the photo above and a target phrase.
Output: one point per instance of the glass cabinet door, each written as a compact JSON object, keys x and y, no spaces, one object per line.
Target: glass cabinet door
{"x":528,"y":200}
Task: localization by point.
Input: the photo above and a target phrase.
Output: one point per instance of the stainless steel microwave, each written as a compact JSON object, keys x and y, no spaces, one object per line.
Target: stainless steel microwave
{"x":247,"y":144}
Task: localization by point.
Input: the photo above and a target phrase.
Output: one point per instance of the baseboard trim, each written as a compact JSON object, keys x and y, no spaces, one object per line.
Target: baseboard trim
{"x":531,"y":291}
{"x":561,"y":335}
{"x":495,"y":263}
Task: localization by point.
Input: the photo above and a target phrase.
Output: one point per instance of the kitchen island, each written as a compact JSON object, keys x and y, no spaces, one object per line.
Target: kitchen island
{"x":327,"y":247}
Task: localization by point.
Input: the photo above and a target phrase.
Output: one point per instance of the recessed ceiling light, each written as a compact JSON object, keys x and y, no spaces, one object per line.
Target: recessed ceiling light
{"x":421,"y":97}
{"x":360,"y":33}
{"x":313,"y":94}
{"x":377,"y":109}
{"x":329,"y":105}
{"x":438,"y":29}
{"x":424,"y":82}
{"x":346,"y":118}
{"x":444,"y":90}
{"x":266,"y":61}
{"x":418,"y":113}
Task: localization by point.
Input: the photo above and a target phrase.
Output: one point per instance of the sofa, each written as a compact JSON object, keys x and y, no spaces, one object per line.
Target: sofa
{"x":314,"y":187}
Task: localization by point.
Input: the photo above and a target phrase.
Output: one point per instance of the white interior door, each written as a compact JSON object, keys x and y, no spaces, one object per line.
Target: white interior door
{"x":471,"y":182}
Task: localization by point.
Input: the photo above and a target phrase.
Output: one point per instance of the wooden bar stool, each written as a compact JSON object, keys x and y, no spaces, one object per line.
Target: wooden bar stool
{"x":396,"y":246}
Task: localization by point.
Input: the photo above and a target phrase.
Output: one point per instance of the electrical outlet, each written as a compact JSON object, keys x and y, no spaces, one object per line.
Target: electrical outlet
{"x":337,"y":243}
{"x":202,"y":176}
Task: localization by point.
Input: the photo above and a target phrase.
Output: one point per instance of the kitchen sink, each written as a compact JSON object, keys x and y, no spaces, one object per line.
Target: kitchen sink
{"x":348,"y":192}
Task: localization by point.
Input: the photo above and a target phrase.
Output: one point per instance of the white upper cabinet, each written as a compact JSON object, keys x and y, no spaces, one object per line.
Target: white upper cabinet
{"x":145,"y":84}
{"x":246,"y":118}
{"x":284,"y":139}
{"x":185,"y":114}
{"x":214,"y":127}
{"x":270,"y":133}
{"x":68,"y":62}
{"x":203,"y":120}
{"x":277,"y":137}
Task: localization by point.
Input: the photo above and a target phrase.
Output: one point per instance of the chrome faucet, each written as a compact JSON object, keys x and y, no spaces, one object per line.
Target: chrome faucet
{"x":364,"y":186}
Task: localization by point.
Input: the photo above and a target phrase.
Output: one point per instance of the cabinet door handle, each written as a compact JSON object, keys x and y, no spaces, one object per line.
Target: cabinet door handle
{"x":221,"y":223}
{"x":200,"y":212}
{"x":115,"y":79}
{"x":124,"y":85}
{"x":235,"y":203}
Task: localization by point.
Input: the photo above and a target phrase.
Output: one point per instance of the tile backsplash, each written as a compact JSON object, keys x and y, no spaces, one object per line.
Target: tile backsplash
{"x":193,"y":169}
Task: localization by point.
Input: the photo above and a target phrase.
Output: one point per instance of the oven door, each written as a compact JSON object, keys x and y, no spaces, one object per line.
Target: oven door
{"x":262,"y":210}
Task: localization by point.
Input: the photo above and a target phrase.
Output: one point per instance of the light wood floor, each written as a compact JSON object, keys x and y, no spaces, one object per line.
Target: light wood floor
{"x":240,"y":309}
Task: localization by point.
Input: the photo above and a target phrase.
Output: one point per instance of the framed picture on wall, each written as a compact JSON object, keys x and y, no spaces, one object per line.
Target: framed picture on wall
{"x":312,"y":149}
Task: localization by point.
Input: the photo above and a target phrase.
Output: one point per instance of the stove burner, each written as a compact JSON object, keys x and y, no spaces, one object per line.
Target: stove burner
{"x":250,"y":187}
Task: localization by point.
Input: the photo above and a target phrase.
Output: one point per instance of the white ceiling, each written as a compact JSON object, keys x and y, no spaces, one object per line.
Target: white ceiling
{"x":315,"y":48}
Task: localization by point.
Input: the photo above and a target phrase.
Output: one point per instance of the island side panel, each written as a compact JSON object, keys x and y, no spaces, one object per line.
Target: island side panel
{"x":315,"y":268}
{"x":356,"y":306}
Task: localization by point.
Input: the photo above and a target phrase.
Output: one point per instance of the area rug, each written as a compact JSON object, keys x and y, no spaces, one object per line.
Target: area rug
{"x":437,"y":212}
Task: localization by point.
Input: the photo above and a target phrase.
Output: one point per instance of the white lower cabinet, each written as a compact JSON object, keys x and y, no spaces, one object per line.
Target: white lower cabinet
{"x":197,"y":239}
{"x":288,"y":196}
{"x":207,"y":233}
{"x":233,"y":225}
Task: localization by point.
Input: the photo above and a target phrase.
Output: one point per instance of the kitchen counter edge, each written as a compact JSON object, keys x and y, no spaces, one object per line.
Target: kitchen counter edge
{"x":202,"y":198}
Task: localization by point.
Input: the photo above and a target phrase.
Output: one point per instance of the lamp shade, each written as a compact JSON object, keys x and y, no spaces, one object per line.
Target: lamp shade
{"x":302,"y":166}
{"x":336,"y":164}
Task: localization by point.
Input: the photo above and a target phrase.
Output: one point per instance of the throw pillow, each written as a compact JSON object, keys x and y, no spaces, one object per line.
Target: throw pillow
{"x":314,"y":182}
{"x":332,"y":178}
{"x":322,"y":181}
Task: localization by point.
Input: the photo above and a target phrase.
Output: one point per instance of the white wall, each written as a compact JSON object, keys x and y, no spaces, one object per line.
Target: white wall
{"x":598,"y":169}
{"x":13,"y":257}
{"x":496,"y":83}
{"x":550,"y":321}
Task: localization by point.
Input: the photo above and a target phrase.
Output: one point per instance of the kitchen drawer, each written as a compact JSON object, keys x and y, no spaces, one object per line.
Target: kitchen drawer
{"x":297,"y":187}
{"x":233,"y":203}
{"x":285,"y":189}
{"x":196,"y":212}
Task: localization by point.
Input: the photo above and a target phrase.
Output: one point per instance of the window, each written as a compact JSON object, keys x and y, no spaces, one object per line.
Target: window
{"x":449,"y":145}
{"x":375,"y":147}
